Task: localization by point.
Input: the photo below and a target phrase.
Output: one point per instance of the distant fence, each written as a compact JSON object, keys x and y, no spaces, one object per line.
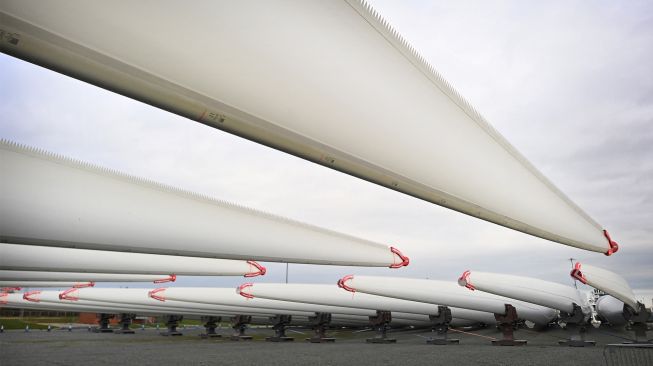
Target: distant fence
{"x":628,"y":354}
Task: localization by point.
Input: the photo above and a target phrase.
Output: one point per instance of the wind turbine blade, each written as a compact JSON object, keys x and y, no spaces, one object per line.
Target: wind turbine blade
{"x":53,"y":259}
{"x":328,"y":81}
{"x":331,"y":295}
{"x":30,"y":276}
{"x":51,"y":200}
{"x":448,"y":294}
{"x":527,"y":289}
{"x":606,"y":281}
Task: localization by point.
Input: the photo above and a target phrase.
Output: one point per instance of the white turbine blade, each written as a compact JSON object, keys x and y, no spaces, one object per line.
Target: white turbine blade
{"x":328,"y":81}
{"x":527,"y":289}
{"x":227,"y":296}
{"x":29,"y":276}
{"x":445,"y":293}
{"x":41,"y":258}
{"x":49,"y":300}
{"x":48,"y":303}
{"x":51,"y":200}
{"x":611,"y":309}
{"x":40,"y":284}
{"x":606,"y":281}
{"x":333,"y":296}
{"x":142,"y":297}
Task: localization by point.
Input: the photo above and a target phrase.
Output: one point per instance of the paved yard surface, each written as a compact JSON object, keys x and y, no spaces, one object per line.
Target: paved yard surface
{"x":147,"y":347}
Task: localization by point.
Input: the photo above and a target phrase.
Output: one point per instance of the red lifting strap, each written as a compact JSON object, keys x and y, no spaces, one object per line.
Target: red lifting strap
{"x":465,"y":279}
{"x":244,"y":294}
{"x":4,"y":301}
{"x":7,"y":289}
{"x":84,"y":284}
{"x":614,"y":247}
{"x":404,"y":259}
{"x":170,"y":278}
{"x":342,"y":283}
{"x":28,"y":296}
{"x":153,"y":294}
{"x":577,"y":274}
{"x":260,"y":270}
{"x":66,"y":295}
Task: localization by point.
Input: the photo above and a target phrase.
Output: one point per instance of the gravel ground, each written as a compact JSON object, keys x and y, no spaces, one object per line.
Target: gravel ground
{"x":147,"y":347}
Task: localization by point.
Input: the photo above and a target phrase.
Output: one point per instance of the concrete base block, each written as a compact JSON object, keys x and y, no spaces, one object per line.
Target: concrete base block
{"x":171,"y":334}
{"x":577,"y":343}
{"x":320,"y":340}
{"x":237,"y":338}
{"x":280,"y":339}
{"x":442,"y":341}
{"x":381,"y":340}
{"x":509,"y":342}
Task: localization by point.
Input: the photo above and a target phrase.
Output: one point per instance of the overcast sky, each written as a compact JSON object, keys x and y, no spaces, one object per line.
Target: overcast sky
{"x":569,"y":83}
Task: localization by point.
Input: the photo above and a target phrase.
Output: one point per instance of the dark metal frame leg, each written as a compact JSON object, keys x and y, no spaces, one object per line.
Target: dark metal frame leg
{"x":103,"y":323}
{"x":239,"y":324}
{"x":507,"y":323}
{"x":320,"y":323}
{"x":210,"y":324}
{"x":440,"y":327}
{"x":280,"y":324}
{"x":638,"y":318}
{"x":576,"y":323}
{"x":125,"y":321}
{"x":172,"y":322}
{"x":381,"y":321}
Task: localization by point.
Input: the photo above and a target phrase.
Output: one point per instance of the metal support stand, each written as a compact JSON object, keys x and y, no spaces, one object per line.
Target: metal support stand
{"x":440,"y":327}
{"x":210,"y":323}
{"x":507,"y":323}
{"x":280,"y":324}
{"x":239,"y":324}
{"x":381,"y":321}
{"x":125,"y":321}
{"x":103,"y":323}
{"x":576,"y":323}
{"x":172,"y":322}
{"x":320,"y":323}
{"x":638,"y":318}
